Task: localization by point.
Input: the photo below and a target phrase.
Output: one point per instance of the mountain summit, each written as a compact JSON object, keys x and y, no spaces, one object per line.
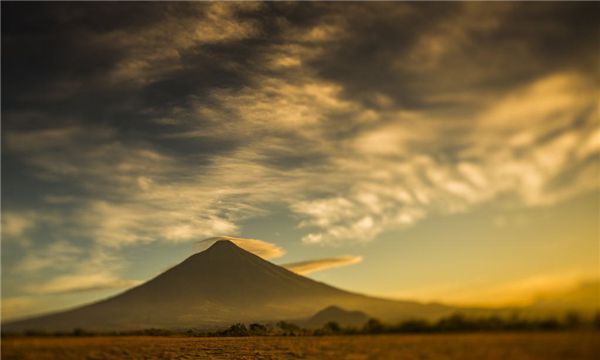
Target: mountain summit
{"x":217,"y":287}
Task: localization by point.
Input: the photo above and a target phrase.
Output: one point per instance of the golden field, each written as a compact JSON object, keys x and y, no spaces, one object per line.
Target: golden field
{"x":575,"y":345}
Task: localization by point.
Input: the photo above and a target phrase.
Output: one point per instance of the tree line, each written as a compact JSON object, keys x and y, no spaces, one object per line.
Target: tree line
{"x":453,"y":323}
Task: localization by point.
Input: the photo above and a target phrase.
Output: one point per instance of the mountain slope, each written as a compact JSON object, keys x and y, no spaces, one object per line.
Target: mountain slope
{"x":219,"y":286}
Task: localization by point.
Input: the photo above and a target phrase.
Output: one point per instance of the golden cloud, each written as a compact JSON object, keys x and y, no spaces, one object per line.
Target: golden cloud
{"x":545,"y":287}
{"x":310,"y":266}
{"x":15,"y":306}
{"x":81,"y":283}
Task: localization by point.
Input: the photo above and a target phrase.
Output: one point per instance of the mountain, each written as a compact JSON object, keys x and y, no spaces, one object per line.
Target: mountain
{"x":336,"y":314}
{"x":217,"y":287}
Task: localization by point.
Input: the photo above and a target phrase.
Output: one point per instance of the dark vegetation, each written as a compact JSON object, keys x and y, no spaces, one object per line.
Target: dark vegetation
{"x":453,"y":323}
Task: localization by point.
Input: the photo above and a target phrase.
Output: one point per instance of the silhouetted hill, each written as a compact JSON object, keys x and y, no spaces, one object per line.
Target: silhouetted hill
{"x":217,"y":287}
{"x":338,"y":315}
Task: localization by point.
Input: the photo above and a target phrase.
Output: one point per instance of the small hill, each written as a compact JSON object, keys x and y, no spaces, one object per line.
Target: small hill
{"x":336,"y":314}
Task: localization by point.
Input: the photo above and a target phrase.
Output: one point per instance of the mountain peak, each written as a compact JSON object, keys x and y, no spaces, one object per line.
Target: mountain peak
{"x":224,"y":243}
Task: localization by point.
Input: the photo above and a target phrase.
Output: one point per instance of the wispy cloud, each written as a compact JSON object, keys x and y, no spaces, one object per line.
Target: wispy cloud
{"x":310,"y":266}
{"x":15,"y":224}
{"x":153,"y":196}
{"x":369,"y":163}
{"x":81,"y":283}
{"x":16,"y":306}
{"x":393,"y":189}
{"x":71,"y":269}
{"x":18,"y":226}
{"x":150,"y":54}
{"x":56,"y":255}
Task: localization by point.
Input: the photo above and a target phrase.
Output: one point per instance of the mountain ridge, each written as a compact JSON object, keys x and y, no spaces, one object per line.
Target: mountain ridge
{"x":216,"y":287}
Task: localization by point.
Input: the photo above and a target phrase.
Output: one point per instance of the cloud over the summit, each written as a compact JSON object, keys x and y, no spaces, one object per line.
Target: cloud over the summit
{"x":261,"y":248}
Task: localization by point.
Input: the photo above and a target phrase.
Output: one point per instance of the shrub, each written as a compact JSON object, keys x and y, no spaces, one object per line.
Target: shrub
{"x":332,"y":327}
{"x":373,"y":326}
{"x":258,"y":329}
{"x":238,"y":329}
{"x":288,"y":328}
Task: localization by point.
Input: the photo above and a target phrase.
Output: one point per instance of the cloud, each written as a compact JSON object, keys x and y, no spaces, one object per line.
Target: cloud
{"x":388,"y":183}
{"x":16,"y":306}
{"x":437,"y":56}
{"x":69,"y":269}
{"x":81,"y":283}
{"x":15,"y":224}
{"x":19,"y":226}
{"x":310,"y":266}
{"x":409,"y":178}
{"x":129,"y":53}
{"x":218,"y":123}
{"x":151,"y":54}
{"x":132,"y":195}
{"x":56,"y":255}
{"x":529,"y":290}
{"x":261,"y":248}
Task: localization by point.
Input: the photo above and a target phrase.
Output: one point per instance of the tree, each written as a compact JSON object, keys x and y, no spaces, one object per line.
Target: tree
{"x":573,"y":319}
{"x":332,"y":328}
{"x":79,"y":332}
{"x":288,"y":328}
{"x":373,"y":326}
{"x":414,"y":325}
{"x":258,"y":329}
{"x":455,"y":322}
{"x":238,"y":329}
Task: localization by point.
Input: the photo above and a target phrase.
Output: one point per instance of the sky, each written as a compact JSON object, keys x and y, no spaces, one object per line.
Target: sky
{"x":428,"y":151}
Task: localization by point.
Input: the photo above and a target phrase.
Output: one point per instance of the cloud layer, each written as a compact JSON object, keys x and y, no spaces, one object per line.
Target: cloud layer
{"x":446,"y":130}
{"x":174,"y":122}
{"x":79,"y":283}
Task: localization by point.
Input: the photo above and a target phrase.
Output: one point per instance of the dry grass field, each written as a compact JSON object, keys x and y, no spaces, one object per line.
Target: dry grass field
{"x":584,"y":345}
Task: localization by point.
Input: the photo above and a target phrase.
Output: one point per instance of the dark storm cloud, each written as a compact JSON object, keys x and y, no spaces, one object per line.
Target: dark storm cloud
{"x":134,"y":66}
{"x":62,"y":50}
{"x":61,"y":56}
{"x":66,"y":63}
{"x":49,"y":44}
{"x":61,"y":68}
{"x":413,"y":52}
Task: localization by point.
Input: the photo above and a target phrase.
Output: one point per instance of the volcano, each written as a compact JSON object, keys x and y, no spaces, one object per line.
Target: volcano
{"x":217,"y":287}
